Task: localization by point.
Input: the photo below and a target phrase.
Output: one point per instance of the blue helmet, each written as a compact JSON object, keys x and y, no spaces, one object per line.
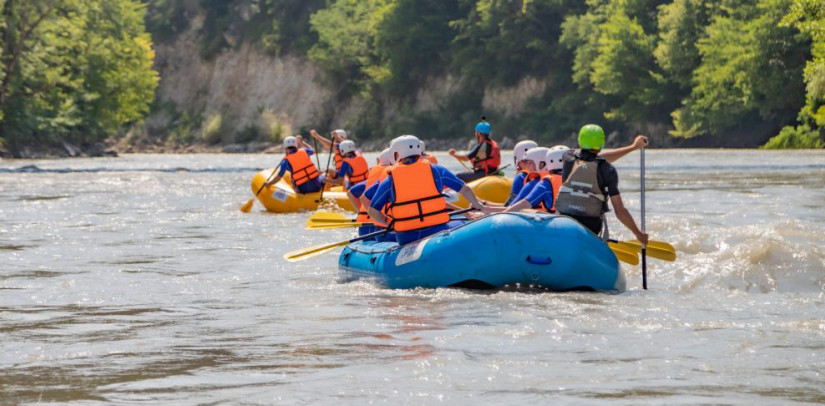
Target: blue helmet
{"x":483,"y":127}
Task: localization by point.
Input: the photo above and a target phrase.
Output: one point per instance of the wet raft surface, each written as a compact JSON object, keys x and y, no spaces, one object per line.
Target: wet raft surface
{"x":138,"y":280}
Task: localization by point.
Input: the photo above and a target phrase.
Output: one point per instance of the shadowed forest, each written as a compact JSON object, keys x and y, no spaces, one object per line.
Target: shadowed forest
{"x":729,"y":73}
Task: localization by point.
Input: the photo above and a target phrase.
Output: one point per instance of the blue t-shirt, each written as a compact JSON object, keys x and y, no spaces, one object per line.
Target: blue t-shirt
{"x":358,"y":189}
{"x":525,"y":191}
{"x":385,"y":192}
{"x":285,"y":166}
{"x":542,"y":192}
{"x":345,"y":169}
{"x":518,"y":183}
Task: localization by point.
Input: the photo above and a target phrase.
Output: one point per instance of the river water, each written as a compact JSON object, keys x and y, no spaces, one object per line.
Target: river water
{"x":137,"y":280}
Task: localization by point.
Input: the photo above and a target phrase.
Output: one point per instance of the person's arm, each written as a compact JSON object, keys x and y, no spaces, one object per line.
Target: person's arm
{"x":624,"y":216}
{"x":356,"y":203}
{"x":281,"y":172}
{"x":520,"y":205}
{"x":382,"y":196}
{"x":470,"y":155}
{"x":325,"y":142}
{"x":613,"y":155}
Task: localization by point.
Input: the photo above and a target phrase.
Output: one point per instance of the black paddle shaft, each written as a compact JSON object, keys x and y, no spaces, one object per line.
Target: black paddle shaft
{"x":270,"y":177}
{"x":326,"y":171}
{"x":389,"y":227}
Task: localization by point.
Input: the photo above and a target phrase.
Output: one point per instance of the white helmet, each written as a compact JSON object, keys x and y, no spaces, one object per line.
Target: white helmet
{"x":290,"y":142}
{"x":340,"y":133}
{"x":538,"y":156}
{"x":406,"y":146}
{"x":521,"y":148}
{"x":555,"y":157}
{"x":387,"y":157}
{"x":346,"y":147}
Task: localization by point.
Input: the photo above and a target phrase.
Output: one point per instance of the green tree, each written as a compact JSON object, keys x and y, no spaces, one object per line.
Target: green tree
{"x":750,"y":68}
{"x":73,"y":69}
{"x":809,"y":17}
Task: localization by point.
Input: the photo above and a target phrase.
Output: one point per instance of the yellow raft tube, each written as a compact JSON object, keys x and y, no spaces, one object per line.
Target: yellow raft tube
{"x":281,"y":198}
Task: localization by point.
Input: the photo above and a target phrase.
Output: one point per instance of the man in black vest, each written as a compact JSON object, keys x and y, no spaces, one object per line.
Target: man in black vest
{"x":588,"y":181}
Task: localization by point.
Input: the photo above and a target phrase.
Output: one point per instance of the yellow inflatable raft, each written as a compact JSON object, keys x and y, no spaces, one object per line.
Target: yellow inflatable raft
{"x":281,"y":198}
{"x":494,"y":189}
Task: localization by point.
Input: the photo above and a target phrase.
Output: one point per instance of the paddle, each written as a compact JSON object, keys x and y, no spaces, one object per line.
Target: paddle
{"x":332,"y":226}
{"x":327,"y":217}
{"x":462,"y":163}
{"x":247,"y":207}
{"x":623,"y":254}
{"x":644,"y":246}
{"x":326,"y":171}
{"x":305,"y":253}
{"x":656,"y":249}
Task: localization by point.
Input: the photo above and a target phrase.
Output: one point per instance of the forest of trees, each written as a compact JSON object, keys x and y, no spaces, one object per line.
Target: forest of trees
{"x":81,"y":69}
{"x":72,"y":70}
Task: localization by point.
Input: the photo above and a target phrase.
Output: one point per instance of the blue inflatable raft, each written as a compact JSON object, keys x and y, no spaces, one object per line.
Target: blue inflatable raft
{"x":554,"y":252}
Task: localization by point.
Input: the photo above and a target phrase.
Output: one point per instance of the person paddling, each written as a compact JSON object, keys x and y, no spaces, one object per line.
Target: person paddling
{"x":354,"y":168}
{"x":413,"y":191}
{"x":519,"y":151}
{"x":485,"y":156}
{"x":337,"y":137}
{"x":545,"y":190}
{"x":588,"y":180}
{"x":305,"y":176}
{"x":358,"y":197}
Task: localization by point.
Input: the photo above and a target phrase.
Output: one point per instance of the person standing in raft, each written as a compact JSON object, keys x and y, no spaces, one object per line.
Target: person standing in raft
{"x":305,"y":176}
{"x":485,"y":156}
{"x":337,"y":137}
{"x":354,"y":168}
{"x":412,"y":190}
{"x":588,"y":180}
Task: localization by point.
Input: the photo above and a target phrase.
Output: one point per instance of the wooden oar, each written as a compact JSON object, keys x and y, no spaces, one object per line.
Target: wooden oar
{"x":247,"y":207}
{"x":305,"y":253}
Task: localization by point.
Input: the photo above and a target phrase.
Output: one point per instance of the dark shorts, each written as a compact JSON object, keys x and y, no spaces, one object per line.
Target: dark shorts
{"x":593,"y":224}
{"x":310,"y":187}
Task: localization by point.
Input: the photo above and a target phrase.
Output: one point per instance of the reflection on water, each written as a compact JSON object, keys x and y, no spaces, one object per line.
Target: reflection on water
{"x":138,"y":280}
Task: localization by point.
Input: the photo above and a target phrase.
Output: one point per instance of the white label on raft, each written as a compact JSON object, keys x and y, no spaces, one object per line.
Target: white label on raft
{"x":451,"y":195}
{"x":280,"y":195}
{"x":410,"y":252}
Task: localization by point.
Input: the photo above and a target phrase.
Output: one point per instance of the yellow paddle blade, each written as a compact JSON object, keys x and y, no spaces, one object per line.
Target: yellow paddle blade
{"x":653,"y":244}
{"x":306,"y":253}
{"x":247,"y":207}
{"x":655,"y":249}
{"x":623,"y":255}
{"x":332,"y":226}
{"x":325,"y":216}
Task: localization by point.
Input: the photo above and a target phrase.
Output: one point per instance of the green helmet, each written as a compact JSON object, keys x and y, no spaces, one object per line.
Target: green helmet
{"x":591,"y":136}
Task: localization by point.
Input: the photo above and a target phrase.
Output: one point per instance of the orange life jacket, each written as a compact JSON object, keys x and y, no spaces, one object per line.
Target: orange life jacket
{"x":555,"y":182}
{"x":490,"y":163}
{"x":338,"y":159}
{"x":360,"y":168}
{"x":303,"y":170}
{"x":430,"y":158}
{"x":377,"y":174}
{"x":418,"y":204}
